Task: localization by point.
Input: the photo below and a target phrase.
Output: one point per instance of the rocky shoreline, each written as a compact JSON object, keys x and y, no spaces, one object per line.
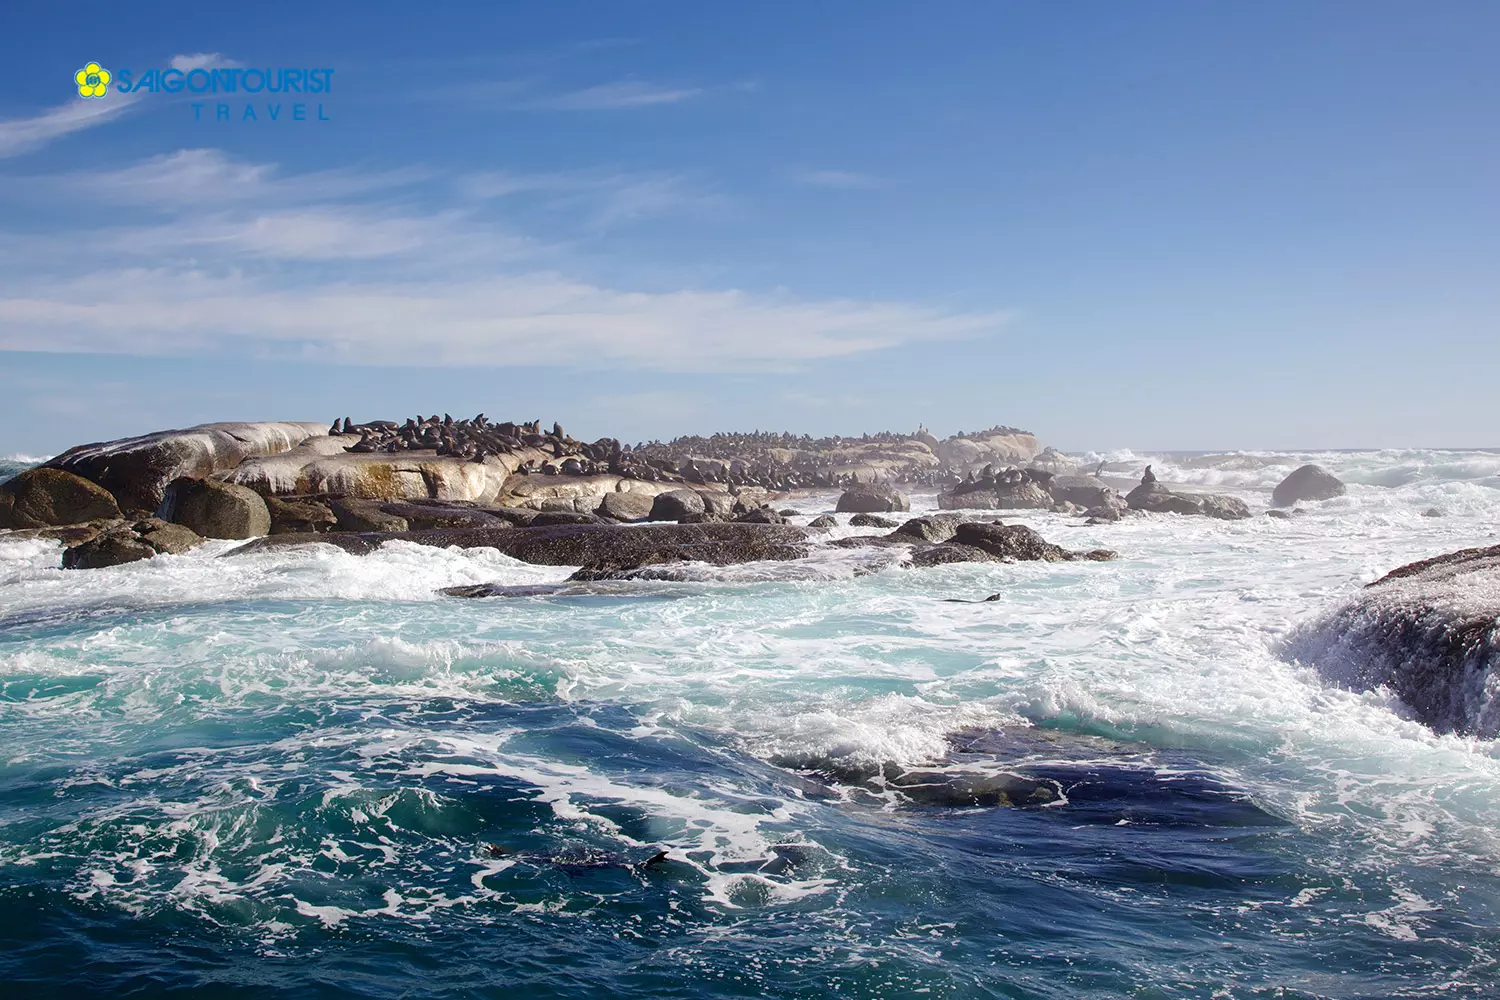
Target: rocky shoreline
{"x":515,"y":486}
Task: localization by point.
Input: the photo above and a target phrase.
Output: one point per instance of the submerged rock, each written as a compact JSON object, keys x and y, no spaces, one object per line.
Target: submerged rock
{"x":1311,"y":482}
{"x":110,"y":548}
{"x":870,"y":521}
{"x":609,"y":547}
{"x":1430,"y":632}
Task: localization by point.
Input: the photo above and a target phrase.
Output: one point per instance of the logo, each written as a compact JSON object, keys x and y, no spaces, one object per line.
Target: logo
{"x":93,"y":80}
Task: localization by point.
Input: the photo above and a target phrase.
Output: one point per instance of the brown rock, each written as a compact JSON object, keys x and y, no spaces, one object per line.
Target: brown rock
{"x":216,"y":510}
{"x":45,"y":497}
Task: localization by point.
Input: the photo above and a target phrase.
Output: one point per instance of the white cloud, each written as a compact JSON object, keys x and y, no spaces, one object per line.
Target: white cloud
{"x":23,"y":135}
{"x":615,"y":96}
{"x":606,"y":199}
{"x":523,"y":318}
{"x":379,"y":282}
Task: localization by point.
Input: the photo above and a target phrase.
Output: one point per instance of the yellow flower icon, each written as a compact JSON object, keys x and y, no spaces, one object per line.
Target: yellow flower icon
{"x":93,"y":80}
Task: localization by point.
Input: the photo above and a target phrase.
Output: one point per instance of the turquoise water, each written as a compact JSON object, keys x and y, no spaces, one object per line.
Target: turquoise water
{"x":282,"y":774}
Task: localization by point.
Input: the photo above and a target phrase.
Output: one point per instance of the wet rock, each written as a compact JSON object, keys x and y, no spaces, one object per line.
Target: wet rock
{"x":1022,"y":493}
{"x":1009,"y":541}
{"x":1430,"y":632}
{"x":355,"y":514}
{"x":551,"y":517}
{"x":1154,"y":498}
{"x":216,"y":510}
{"x":1085,"y":491}
{"x":719,"y":506}
{"x":823,"y":522}
{"x":870,"y":521}
{"x":759,"y":515}
{"x":950,"y":552}
{"x":112,"y":548}
{"x":627,"y":507}
{"x":598,"y":546}
{"x":1223,"y":508}
{"x":1310,"y":482}
{"x":675,"y":505}
{"x":872,"y":498}
{"x":47,"y":497}
{"x":431,"y":515}
{"x":1432,"y":512}
{"x":166,"y":538}
{"x":288,"y":515}
{"x":932,"y":528}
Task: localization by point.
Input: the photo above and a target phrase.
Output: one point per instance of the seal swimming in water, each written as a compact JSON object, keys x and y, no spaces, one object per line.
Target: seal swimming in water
{"x":965,"y":600}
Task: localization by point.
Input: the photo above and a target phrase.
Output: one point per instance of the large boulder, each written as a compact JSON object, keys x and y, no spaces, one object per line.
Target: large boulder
{"x":1009,"y":541}
{"x":1311,"y":482}
{"x":1086,"y":491}
{"x":627,"y":507}
{"x":1155,"y":498}
{"x":1022,"y":494}
{"x":214,"y":509}
{"x":872,"y":498}
{"x":137,"y":470}
{"x":300,"y":514}
{"x":166,"y":538}
{"x":1429,"y":632}
{"x":932,"y":528}
{"x":357,"y":514}
{"x":47,"y":497}
{"x":675,"y":505}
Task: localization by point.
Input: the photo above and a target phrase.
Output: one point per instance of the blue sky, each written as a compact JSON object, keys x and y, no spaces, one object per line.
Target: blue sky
{"x":1153,"y":225}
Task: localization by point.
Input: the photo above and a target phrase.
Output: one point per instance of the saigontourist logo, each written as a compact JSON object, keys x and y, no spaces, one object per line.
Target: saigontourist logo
{"x":93,"y":80}
{"x":241,"y":94}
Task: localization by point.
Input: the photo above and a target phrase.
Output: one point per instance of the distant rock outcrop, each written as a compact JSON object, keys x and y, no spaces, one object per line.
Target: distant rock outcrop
{"x":1430,"y":632}
{"x":1310,"y":482}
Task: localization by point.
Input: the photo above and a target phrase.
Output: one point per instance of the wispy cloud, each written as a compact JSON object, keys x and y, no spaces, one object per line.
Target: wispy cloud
{"x":836,"y":179}
{"x":622,"y":94}
{"x":374,"y":280}
{"x":607,"y":198}
{"x":24,"y":135}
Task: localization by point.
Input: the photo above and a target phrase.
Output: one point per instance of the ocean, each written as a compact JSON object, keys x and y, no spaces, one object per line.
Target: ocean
{"x":306,"y":774}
